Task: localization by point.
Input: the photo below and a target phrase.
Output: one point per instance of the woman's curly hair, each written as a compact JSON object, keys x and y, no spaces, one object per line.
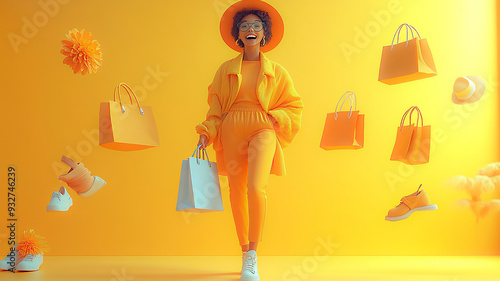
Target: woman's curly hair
{"x":264,"y":17}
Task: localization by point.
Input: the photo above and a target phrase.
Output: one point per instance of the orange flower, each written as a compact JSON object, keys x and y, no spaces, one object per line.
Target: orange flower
{"x":82,"y":52}
{"x":31,"y":243}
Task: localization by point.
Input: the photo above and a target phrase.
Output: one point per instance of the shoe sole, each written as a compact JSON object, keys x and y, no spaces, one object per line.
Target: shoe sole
{"x":98,"y":184}
{"x":28,"y":269}
{"x":250,"y":278}
{"x":57,"y":208}
{"x":424,"y":208}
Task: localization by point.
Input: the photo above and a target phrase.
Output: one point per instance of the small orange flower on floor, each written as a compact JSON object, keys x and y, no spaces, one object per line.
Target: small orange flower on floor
{"x":83,"y":53}
{"x":31,"y":244}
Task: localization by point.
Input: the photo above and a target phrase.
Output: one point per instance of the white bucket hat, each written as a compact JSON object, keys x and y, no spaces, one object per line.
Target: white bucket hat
{"x":468,"y":89}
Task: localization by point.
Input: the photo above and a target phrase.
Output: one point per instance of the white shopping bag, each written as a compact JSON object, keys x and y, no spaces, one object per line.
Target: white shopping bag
{"x":199,"y":188}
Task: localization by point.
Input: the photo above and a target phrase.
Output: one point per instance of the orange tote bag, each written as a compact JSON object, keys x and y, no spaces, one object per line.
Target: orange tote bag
{"x":406,"y":61}
{"x":413,"y":141}
{"x":344,"y":129}
{"x":127,"y":127}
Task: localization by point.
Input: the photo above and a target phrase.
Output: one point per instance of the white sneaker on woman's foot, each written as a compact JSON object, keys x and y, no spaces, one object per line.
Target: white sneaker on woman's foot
{"x":243,"y":261}
{"x":250,"y":271}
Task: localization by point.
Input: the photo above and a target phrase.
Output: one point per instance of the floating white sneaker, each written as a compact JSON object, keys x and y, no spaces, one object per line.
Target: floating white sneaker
{"x":250,"y":271}
{"x":60,"y":201}
{"x":30,"y":263}
{"x":10,"y":261}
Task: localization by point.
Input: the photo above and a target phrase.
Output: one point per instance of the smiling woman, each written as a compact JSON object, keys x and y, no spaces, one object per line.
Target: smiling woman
{"x":249,"y":25}
{"x":254,"y":113}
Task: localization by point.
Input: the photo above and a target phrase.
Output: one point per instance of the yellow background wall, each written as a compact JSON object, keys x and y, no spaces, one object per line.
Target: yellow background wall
{"x":169,"y":51}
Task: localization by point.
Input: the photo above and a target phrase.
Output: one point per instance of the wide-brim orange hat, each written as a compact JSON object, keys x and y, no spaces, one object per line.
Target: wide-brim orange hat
{"x":226,"y":23}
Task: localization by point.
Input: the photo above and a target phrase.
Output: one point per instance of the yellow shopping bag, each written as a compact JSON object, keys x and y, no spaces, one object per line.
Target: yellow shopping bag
{"x":413,"y":142}
{"x":126,"y":127}
{"x":406,"y":61}
{"x":344,"y":129}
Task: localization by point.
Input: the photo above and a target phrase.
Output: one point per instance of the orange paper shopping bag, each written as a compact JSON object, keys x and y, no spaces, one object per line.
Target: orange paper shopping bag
{"x":344,"y":129}
{"x":406,"y":61}
{"x":413,"y":142}
{"x":127,"y":127}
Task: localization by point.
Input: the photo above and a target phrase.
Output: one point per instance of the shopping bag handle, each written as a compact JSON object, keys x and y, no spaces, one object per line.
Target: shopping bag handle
{"x":408,"y":26}
{"x":130,"y":93}
{"x":203,"y":155}
{"x":197,"y":151}
{"x":419,"y":114}
{"x":410,"y":112}
{"x":411,"y":28}
{"x":350,"y":95}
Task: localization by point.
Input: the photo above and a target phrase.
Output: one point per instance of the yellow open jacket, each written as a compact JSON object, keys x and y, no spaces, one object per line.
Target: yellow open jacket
{"x":276,"y":94}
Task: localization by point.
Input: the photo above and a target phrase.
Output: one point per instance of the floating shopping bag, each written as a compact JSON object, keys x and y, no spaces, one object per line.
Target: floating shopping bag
{"x":199,"y":188}
{"x":406,"y":61}
{"x":126,"y":127}
{"x":344,"y":129}
{"x":413,"y":142}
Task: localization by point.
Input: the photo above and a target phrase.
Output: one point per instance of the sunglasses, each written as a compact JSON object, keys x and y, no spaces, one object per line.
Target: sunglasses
{"x":256,"y":26}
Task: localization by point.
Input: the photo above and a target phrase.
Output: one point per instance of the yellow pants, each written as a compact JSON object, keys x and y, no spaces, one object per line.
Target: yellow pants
{"x":249,"y":143}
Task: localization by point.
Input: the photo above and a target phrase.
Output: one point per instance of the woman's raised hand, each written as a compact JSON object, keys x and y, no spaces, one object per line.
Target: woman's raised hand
{"x":203,"y":142}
